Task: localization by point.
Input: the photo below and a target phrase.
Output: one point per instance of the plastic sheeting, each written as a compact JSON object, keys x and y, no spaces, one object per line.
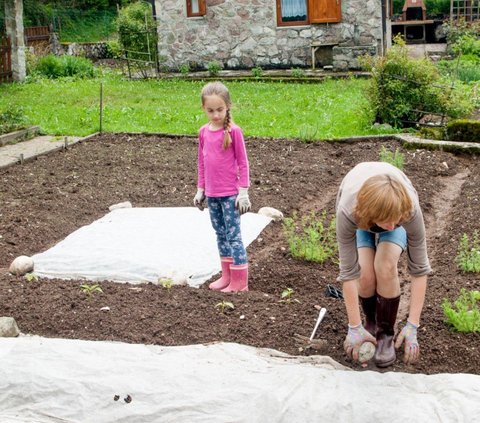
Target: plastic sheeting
{"x":143,"y":245}
{"x":54,"y":380}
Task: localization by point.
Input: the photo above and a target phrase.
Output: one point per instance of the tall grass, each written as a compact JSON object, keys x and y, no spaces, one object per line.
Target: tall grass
{"x":332,"y":109}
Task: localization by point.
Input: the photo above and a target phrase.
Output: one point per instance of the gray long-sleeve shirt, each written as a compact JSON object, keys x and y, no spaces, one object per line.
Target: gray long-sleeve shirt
{"x":418,"y":263}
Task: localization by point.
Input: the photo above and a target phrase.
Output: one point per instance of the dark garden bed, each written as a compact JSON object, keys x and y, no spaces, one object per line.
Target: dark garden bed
{"x":45,"y":200}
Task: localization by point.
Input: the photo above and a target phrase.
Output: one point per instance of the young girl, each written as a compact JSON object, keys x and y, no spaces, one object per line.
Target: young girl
{"x":223,"y":180}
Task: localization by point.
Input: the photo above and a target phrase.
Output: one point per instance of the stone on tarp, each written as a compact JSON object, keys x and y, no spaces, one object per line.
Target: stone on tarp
{"x":8,"y":327}
{"x":275,"y":214}
{"x":21,"y":265}
{"x":124,"y":205}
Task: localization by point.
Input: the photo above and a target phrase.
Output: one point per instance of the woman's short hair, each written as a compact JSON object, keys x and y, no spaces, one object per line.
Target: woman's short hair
{"x":381,"y":199}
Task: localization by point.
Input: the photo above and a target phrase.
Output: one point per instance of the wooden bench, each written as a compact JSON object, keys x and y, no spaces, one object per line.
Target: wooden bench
{"x":316,"y":45}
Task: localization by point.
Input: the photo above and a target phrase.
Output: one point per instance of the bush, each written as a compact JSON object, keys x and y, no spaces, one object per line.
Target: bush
{"x":463,"y":130}
{"x":404,"y":89}
{"x":12,"y":120}
{"x":60,"y":66}
{"x":213,"y":68}
{"x":298,"y":72}
{"x":257,"y":72}
{"x":137,"y":31}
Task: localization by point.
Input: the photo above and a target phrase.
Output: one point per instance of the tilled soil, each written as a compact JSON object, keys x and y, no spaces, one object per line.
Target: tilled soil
{"x":43,"y":201}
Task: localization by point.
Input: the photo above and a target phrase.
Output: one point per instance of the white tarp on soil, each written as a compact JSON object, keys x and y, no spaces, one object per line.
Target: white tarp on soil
{"x":57,"y":380}
{"x":143,"y":245}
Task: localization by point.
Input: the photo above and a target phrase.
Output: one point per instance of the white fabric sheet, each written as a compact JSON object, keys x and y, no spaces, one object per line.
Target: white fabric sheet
{"x":143,"y":245}
{"x":56,"y":380}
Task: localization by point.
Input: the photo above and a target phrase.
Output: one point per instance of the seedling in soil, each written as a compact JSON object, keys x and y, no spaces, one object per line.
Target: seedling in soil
{"x":396,"y":159}
{"x":166,"y":283}
{"x":31,"y":277}
{"x":464,"y":315}
{"x":90,"y":289}
{"x":468,"y":258}
{"x":224,"y":306}
{"x":287,"y":296}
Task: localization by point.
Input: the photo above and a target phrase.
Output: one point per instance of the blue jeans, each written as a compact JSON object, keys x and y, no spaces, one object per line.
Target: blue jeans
{"x":371,"y":240}
{"x":225,"y":220}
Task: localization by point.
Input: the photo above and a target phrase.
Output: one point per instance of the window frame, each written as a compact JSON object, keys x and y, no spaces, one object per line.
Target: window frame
{"x":290,"y":23}
{"x":202,"y":9}
{"x":311,"y":20}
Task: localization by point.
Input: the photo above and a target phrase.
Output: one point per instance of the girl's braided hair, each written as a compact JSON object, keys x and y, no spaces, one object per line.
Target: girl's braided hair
{"x":217,"y":88}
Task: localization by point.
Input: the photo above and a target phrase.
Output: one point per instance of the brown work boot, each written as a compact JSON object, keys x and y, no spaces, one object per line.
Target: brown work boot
{"x":369,"y":306}
{"x":386,"y":315}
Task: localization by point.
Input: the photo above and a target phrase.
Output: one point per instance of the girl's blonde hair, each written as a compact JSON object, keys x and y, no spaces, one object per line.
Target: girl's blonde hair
{"x":381,"y":199}
{"x":217,"y":88}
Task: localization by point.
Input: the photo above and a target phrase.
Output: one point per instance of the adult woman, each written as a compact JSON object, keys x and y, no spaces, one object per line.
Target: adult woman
{"x":378,"y":217}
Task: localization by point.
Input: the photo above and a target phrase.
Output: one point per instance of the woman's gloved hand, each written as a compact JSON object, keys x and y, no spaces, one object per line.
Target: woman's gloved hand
{"x":243,"y":202}
{"x":356,"y":336}
{"x":199,"y":199}
{"x":412,"y":349}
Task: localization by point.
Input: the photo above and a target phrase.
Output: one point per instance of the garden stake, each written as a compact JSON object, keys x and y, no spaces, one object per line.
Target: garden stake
{"x":305,"y":343}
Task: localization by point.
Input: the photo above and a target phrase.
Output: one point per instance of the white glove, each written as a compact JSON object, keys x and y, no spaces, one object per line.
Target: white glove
{"x":199,"y":199}
{"x":243,"y":202}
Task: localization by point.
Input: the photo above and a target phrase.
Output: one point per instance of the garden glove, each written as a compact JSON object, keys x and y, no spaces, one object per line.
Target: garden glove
{"x":243,"y":202}
{"x":412,"y":349}
{"x":199,"y":200}
{"x":356,"y":336}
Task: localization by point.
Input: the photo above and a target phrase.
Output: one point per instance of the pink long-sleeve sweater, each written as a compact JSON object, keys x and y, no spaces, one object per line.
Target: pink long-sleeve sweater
{"x":221,"y":172}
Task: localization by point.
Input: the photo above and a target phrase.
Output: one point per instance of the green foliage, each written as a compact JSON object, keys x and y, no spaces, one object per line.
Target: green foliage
{"x":465,"y":68}
{"x":461,"y":32}
{"x":114,"y":49}
{"x":468,"y":257}
{"x":91,"y":289}
{"x":31,"y":277}
{"x":184,"y":68}
{"x":434,"y":7}
{"x":396,"y":158}
{"x":403,"y":89}
{"x":308,"y":133}
{"x":213,"y":68}
{"x":257,"y":72}
{"x":224,"y":306}
{"x":464,"y":315}
{"x":310,"y":237}
{"x":298,"y":72}
{"x":287,"y":296}
{"x":137,"y":32}
{"x":466,"y":130}
{"x":432,"y":133}
{"x":166,"y":283}
{"x":13,"y":119}
{"x":53,"y":66}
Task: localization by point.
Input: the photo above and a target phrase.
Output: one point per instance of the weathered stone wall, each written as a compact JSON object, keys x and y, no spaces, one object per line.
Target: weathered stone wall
{"x":244,"y":33}
{"x":88,"y":50}
{"x":346,"y":58}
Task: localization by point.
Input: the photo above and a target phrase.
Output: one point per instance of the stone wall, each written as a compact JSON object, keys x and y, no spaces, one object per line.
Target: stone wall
{"x":88,"y":50}
{"x":244,"y":34}
{"x":346,"y":58}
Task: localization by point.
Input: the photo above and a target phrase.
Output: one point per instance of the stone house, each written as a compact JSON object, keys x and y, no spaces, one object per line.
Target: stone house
{"x":241,"y":34}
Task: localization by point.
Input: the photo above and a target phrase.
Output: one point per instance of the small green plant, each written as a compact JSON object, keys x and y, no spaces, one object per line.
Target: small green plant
{"x":166,"y":283}
{"x":464,"y":315}
{"x":396,"y":158}
{"x":257,"y":72}
{"x":31,"y":277}
{"x":224,"y":306}
{"x":184,"y":69}
{"x":287,"y":296}
{"x":468,"y":257}
{"x":12,"y":119}
{"x":91,"y":289}
{"x":298,"y":72}
{"x":213,"y":68}
{"x":311,"y":237}
{"x":308,"y":133}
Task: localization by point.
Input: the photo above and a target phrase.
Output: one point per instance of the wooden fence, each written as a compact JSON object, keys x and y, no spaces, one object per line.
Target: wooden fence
{"x":38,"y":37}
{"x":6,"y":73}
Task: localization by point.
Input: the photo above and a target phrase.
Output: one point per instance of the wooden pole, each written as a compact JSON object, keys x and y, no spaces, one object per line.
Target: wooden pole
{"x":101,"y":106}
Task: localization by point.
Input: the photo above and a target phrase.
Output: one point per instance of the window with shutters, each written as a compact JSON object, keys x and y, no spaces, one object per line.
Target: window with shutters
{"x":304,"y":12}
{"x":196,"y":8}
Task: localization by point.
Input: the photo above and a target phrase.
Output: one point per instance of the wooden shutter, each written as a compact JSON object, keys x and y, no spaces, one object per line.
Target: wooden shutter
{"x":321,"y":11}
{"x":202,"y":9}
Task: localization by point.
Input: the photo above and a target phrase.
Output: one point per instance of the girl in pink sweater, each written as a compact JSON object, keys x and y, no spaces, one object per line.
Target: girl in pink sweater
{"x":223,"y":181}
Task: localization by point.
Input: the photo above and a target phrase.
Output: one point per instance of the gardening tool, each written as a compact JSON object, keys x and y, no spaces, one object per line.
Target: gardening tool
{"x":307,"y":343}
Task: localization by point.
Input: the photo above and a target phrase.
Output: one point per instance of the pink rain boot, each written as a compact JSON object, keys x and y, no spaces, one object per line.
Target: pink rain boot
{"x":225,"y":279}
{"x":238,"y":278}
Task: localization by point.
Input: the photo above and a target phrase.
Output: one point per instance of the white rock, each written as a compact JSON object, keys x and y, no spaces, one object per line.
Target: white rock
{"x":21,"y":265}
{"x":124,"y":205}
{"x":275,"y":214}
{"x":8,"y":327}
{"x":366,"y":352}
{"x":107,"y":308}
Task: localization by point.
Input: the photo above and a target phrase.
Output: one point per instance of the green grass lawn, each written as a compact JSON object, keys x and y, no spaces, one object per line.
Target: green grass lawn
{"x":331,"y":109}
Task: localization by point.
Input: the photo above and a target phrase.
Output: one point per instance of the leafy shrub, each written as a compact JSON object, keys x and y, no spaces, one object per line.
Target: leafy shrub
{"x":213,"y":68}
{"x":298,"y":72}
{"x":12,"y":120}
{"x":114,"y":49}
{"x":464,"y":314}
{"x":53,"y":66}
{"x":394,"y":158}
{"x":468,"y":258}
{"x":137,"y":31}
{"x":184,"y":68}
{"x":257,"y":72}
{"x":463,"y":130}
{"x":310,"y":237}
{"x":403,"y":89}
{"x":466,"y":68}
{"x":460,"y":32}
